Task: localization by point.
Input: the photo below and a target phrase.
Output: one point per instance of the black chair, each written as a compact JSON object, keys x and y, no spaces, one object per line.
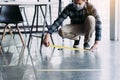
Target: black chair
{"x":10,"y":14}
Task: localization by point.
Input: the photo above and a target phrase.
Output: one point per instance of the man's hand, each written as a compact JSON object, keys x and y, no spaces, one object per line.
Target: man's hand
{"x":94,"y":47}
{"x":46,"y":40}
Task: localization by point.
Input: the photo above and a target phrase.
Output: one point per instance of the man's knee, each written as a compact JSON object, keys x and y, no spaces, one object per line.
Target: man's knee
{"x":69,"y":35}
{"x":90,"y":22}
{"x":91,"y":19}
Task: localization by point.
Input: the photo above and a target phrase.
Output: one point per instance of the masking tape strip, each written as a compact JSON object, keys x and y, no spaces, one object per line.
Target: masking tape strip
{"x":66,"y":47}
{"x":68,"y":70}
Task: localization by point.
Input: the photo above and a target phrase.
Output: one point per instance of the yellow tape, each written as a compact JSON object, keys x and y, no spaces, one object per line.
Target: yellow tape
{"x":69,"y":70}
{"x":66,"y":47}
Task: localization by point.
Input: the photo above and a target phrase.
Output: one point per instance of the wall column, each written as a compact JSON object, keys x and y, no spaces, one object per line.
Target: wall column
{"x":114,"y":20}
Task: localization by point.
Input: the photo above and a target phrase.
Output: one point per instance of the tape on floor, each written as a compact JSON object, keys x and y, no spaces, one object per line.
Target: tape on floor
{"x":67,"y":70}
{"x":66,"y":47}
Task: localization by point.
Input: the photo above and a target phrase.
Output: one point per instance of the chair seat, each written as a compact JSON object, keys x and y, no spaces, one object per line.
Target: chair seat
{"x":10,"y":14}
{"x":4,"y":19}
{"x":9,"y":21}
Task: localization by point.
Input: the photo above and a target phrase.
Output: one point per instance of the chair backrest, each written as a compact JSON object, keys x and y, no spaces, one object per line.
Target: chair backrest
{"x":10,"y":14}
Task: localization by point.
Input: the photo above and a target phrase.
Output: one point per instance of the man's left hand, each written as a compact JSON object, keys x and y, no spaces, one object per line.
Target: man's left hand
{"x":94,"y":47}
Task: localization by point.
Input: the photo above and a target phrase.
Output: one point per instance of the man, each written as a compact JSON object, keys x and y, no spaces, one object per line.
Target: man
{"x":84,"y":21}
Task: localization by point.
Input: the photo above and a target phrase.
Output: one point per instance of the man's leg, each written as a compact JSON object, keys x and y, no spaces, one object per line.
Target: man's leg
{"x":72,"y":32}
{"x":89,"y":28}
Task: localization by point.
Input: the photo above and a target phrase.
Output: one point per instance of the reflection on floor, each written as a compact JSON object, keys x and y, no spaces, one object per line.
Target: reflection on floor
{"x":59,"y":64}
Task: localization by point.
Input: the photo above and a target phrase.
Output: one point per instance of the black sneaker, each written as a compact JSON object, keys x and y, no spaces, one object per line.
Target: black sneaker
{"x":86,"y":45}
{"x":76,"y":44}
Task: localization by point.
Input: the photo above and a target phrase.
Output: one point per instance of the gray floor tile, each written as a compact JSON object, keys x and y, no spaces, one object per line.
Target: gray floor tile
{"x":57,"y":64}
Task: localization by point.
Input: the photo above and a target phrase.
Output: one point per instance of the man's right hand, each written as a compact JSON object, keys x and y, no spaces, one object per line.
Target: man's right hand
{"x":46,"y":40}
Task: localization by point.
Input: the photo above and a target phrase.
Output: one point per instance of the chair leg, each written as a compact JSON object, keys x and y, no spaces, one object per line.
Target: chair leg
{"x":10,"y":30}
{"x":1,"y":48}
{"x":3,"y":35}
{"x":20,"y":35}
{"x":4,"y":32}
{"x":23,"y":48}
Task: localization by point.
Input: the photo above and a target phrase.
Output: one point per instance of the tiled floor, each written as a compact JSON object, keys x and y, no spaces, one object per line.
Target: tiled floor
{"x":65,"y":64}
{"x":59,"y":64}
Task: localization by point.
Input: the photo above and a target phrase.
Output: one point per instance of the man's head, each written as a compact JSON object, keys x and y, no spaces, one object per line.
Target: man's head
{"x":79,"y":1}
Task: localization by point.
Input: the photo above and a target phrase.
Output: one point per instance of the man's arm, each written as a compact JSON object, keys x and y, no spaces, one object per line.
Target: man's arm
{"x":55,"y":25}
{"x":64,"y":14}
{"x":98,"y":28}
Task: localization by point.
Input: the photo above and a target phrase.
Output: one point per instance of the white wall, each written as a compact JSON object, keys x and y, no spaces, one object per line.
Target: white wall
{"x":103,"y":7}
{"x":114,"y":20}
{"x":118,"y":18}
